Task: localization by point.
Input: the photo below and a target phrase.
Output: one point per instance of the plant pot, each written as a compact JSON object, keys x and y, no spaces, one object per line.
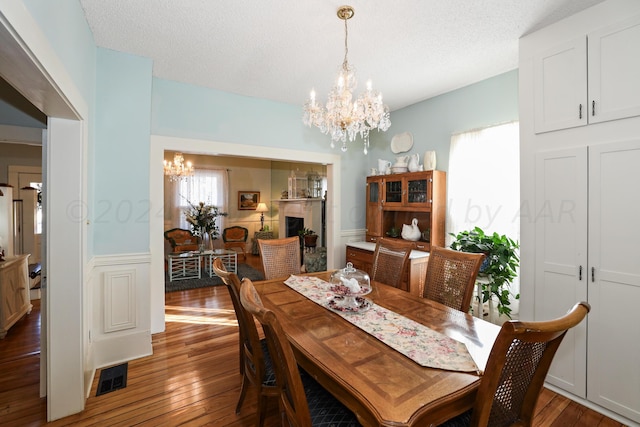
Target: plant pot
{"x":310,"y":240}
{"x":485,"y":263}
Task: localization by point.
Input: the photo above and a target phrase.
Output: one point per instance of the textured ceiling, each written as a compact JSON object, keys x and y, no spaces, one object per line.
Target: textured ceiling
{"x":280,"y":49}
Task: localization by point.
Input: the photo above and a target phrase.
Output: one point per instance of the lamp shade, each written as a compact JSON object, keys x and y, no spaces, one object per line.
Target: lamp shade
{"x":262,"y":207}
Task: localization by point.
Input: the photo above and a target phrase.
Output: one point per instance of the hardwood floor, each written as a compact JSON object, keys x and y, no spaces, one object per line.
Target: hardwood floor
{"x":192,"y":379}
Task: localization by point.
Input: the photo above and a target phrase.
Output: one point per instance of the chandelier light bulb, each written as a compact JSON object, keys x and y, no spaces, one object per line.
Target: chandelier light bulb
{"x":345,"y":116}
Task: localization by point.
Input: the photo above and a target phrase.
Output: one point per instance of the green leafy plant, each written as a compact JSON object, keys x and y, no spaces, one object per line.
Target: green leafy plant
{"x":501,"y":263}
{"x":305,"y":232}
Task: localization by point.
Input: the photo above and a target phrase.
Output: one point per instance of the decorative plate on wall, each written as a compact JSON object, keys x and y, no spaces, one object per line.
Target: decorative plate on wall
{"x":401,"y":143}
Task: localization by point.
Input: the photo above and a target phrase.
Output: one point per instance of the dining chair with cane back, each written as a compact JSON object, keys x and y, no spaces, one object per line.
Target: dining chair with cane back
{"x":256,"y":366}
{"x":451,"y":277}
{"x":390,"y":260}
{"x":280,"y":257}
{"x":516,"y":370}
{"x":303,"y":402}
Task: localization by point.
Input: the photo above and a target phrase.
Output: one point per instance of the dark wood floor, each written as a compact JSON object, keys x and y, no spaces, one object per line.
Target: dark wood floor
{"x":192,"y":379}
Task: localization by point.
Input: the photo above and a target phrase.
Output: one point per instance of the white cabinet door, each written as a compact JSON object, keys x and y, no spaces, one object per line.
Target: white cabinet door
{"x":561,"y":256}
{"x":560,"y":86}
{"x":614,"y":71}
{"x":566,"y":98}
{"x":614,"y":277}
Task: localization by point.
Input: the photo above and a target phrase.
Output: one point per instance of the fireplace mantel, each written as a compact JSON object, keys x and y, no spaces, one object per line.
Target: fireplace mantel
{"x":308,"y":209}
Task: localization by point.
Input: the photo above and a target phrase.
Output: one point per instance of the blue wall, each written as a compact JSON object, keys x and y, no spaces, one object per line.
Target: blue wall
{"x":432,"y":122}
{"x":121,"y":170}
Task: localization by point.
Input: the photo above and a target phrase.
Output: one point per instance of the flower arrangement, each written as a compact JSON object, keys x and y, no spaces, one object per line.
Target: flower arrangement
{"x":202,"y":218}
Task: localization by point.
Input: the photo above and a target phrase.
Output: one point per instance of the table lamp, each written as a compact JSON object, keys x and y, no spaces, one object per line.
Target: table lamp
{"x":262,"y":208}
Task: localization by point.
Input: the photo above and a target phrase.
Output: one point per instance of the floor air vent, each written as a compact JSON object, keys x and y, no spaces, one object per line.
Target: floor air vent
{"x":112,"y":379}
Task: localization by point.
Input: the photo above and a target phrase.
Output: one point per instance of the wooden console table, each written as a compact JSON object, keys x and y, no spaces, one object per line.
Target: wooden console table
{"x":14,"y":291}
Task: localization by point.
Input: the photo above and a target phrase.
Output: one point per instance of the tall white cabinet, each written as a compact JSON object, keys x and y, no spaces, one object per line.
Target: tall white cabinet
{"x":580,"y":165}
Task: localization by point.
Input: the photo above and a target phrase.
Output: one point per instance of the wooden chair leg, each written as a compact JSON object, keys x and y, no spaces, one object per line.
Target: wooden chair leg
{"x":243,"y":393}
{"x":262,"y":409}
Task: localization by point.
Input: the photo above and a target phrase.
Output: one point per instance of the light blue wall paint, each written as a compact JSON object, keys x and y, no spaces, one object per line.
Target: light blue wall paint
{"x":185,"y":110}
{"x":64,"y":25}
{"x":120,"y":215}
{"x":433,"y":121}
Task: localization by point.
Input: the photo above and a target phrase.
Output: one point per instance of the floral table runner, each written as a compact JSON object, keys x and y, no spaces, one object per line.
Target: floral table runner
{"x":419,"y":343}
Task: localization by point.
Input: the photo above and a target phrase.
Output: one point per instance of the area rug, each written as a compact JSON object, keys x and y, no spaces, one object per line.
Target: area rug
{"x":244,"y":270}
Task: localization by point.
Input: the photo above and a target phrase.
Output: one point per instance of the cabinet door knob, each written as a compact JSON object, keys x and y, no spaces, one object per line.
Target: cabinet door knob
{"x":593,"y":107}
{"x":580,"y":111}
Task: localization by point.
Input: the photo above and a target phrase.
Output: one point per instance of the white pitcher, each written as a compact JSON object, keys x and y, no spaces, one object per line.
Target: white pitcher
{"x":383,"y":165}
{"x":414,"y":163}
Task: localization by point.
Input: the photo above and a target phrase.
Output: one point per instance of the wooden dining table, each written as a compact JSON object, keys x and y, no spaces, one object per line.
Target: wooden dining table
{"x":379,"y":384}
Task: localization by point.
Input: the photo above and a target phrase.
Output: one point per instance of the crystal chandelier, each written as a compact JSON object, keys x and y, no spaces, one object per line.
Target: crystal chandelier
{"x":178,"y":169}
{"x":342,"y":117}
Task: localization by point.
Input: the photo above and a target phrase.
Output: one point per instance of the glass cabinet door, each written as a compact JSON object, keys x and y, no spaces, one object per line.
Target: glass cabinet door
{"x":393,"y":191}
{"x":418,"y":191}
{"x":373,"y":192}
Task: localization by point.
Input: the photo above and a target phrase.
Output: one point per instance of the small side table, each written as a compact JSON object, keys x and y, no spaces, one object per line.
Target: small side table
{"x":184,"y":266}
{"x":228,"y":257}
{"x":260,"y":235}
{"x":480,"y":281}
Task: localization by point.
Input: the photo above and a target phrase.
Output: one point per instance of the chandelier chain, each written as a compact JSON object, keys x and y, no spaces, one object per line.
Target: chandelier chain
{"x":345,"y":62}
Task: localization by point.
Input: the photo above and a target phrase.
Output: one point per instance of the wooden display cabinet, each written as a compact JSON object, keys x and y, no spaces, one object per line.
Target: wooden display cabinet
{"x":394,"y":200}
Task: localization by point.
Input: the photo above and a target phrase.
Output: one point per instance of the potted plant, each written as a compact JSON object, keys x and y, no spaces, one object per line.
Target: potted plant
{"x":500,"y":264}
{"x":309,"y":236}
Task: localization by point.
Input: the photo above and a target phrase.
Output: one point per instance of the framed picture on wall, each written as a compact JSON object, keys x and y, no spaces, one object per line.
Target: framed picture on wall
{"x":248,"y":200}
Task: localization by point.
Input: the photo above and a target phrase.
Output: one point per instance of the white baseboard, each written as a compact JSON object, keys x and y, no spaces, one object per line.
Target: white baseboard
{"x":121,"y":348}
{"x":591,"y":405}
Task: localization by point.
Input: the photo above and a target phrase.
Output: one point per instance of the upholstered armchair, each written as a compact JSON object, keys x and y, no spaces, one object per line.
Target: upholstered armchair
{"x":236,"y":237}
{"x":182,"y":240}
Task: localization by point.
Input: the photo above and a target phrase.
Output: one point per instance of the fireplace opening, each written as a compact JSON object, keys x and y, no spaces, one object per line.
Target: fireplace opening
{"x":293,"y":226}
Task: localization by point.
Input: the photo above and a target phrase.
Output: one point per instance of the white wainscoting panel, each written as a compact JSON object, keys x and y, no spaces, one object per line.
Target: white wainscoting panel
{"x":121,"y":318}
{"x":119,"y":300}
